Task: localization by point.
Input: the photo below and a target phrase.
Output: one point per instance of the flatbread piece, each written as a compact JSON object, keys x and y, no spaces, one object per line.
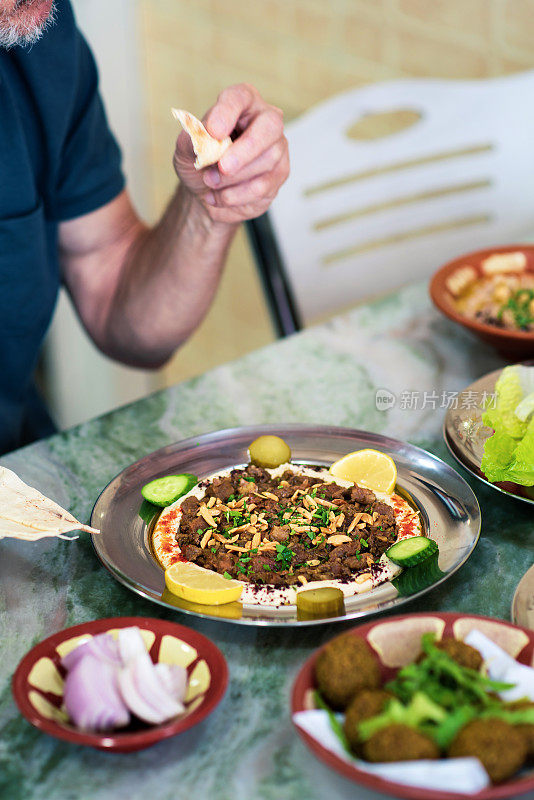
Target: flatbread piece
{"x":27,"y":514}
{"x":208,"y":150}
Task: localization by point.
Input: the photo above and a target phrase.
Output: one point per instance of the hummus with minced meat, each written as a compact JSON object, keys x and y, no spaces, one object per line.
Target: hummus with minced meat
{"x":281,"y":530}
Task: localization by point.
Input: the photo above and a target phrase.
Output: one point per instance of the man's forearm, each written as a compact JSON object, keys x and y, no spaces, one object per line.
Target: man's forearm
{"x":140,"y":292}
{"x":166,"y":283}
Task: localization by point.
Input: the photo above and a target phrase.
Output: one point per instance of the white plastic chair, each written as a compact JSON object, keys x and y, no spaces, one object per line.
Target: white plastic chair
{"x":358,"y":217}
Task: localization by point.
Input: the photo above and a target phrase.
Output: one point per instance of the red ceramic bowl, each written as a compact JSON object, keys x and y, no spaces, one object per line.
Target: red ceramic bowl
{"x":38,"y":681}
{"x":513,"y":345}
{"x":396,"y":641}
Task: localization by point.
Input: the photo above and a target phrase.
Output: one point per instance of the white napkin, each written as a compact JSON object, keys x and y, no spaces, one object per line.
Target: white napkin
{"x":502,"y":667}
{"x":457,"y":774}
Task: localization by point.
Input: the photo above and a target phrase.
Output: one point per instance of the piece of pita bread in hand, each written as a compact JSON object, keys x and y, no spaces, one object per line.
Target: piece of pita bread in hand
{"x":27,"y":514}
{"x":208,"y":150}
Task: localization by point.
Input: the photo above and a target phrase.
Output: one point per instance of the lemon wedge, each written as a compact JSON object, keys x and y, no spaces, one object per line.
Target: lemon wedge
{"x":369,"y":468}
{"x":226,"y":610}
{"x":199,"y":585}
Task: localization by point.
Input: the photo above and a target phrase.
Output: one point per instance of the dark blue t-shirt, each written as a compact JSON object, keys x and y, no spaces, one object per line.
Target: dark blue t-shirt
{"x":58,"y":160}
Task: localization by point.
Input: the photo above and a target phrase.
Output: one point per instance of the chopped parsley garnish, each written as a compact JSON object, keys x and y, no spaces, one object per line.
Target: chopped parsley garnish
{"x":364,"y":542}
{"x":520,"y":305}
{"x":321,"y":513}
{"x":266,"y":567}
{"x":284,"y":555}
{"x":227,"y":576}
{"x":249,"y":478}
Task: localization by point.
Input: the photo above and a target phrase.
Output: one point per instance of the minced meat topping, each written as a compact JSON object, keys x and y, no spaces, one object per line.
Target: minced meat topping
{"x":286,"y":530}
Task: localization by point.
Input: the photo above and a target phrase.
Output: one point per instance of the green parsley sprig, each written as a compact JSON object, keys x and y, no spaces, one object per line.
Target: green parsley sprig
{"x":520,"y":304}
{"x":284,"y":555}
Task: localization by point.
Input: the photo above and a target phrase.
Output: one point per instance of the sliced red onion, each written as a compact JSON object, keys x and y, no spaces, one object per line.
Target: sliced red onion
{"x":174,"y":679}
{"x":92,"y":697}
{"x":131,"y":645}
{"x":103,"y":646}
{"x":108,"y":678}
{"x":144,"y":693}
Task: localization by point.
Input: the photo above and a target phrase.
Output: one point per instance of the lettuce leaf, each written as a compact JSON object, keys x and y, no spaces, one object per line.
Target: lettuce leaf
{"x":509,"y":453}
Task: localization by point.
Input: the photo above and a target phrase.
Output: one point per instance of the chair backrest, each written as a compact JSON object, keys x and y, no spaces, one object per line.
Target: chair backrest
{"x":361,"y":215}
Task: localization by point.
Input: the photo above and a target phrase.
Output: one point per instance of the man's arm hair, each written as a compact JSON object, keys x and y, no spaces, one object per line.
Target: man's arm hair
{"x":140,"y":292}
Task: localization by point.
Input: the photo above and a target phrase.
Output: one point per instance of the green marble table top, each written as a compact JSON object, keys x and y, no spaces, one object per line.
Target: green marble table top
{"x":247,"y":748}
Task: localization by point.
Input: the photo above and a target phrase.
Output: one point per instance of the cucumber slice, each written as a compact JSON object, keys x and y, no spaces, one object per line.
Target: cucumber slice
{"x":412,"y":551}
{"x":414,"y":580}
{"x":148,"y":512}
{"x":164,"y":491}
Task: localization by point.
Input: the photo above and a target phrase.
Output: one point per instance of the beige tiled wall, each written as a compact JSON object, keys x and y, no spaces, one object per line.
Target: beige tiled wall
{"x":299,"y":52}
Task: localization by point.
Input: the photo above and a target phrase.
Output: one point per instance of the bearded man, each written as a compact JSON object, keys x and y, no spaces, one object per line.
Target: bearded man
{"x":66,"y":217}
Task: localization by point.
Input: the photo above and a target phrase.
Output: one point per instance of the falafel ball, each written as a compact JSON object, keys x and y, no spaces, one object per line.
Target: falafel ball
{"x":364,"y":705}
{"x":526,"y":730}
{"x":500,"y":747}
{"x":462,"y":653}
{"x":399,"y":743}
{"x":344,"y":667}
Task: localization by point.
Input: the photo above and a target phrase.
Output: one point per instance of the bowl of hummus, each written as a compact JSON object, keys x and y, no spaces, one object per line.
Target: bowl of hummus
{"x":491,"y":293}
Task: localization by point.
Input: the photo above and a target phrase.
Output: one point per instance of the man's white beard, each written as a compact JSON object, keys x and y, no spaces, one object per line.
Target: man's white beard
{"x":11,"y":34}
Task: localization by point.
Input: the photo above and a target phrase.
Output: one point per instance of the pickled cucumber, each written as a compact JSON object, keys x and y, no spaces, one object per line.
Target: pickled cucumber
{"x":269,"y":452}
{"x":317,"y":603}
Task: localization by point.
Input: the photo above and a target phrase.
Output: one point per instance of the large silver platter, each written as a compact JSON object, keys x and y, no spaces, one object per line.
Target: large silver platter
{"x":465,"y":434}
{"x":448,"y":507}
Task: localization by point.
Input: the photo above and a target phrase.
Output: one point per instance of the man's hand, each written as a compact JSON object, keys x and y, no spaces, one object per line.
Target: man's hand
{"x":251,"y":171}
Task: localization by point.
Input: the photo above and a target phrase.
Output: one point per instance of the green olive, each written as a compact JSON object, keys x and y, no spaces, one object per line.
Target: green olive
{"x":269,"y":452}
